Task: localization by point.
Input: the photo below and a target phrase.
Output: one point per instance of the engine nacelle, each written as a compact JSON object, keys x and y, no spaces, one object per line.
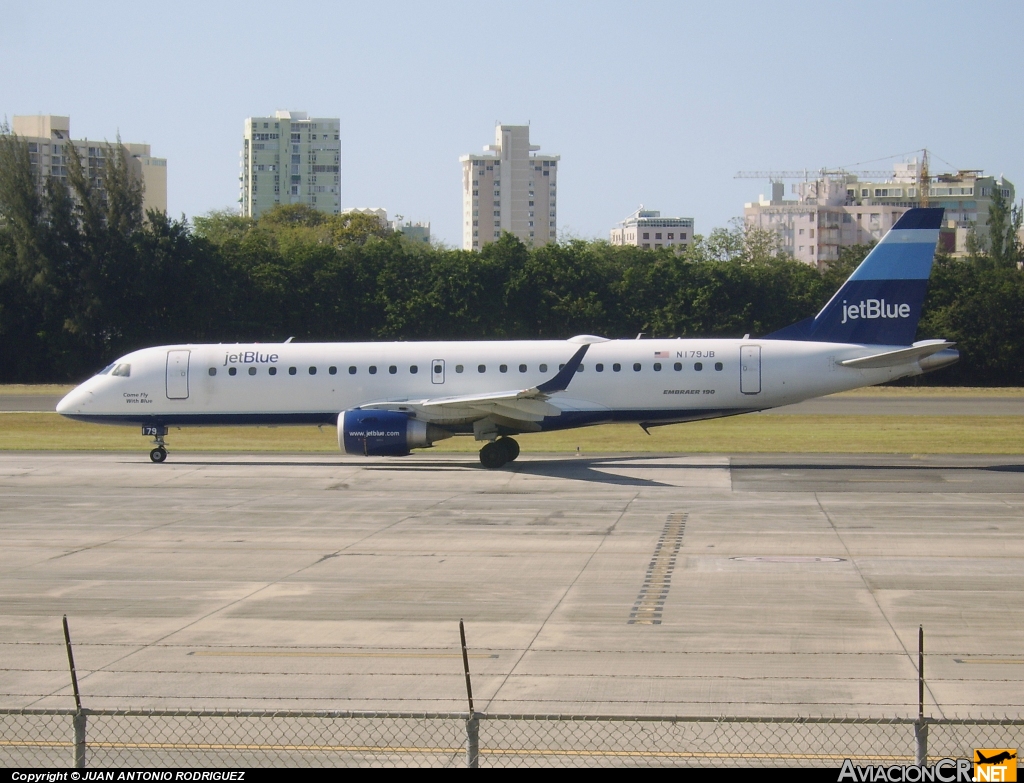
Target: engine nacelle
{"x":384,"y":433}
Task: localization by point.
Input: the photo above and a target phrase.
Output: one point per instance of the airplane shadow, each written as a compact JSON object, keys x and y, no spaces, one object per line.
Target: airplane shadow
{"x":574,"y":469}
{"x":592,"y":469}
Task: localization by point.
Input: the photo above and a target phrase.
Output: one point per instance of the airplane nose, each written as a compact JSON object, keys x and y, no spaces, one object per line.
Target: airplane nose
{"x":74,"y":401}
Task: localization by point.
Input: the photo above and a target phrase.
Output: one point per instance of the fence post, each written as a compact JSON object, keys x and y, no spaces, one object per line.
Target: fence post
{"x":921,"y":742}
{"x":78,"y":719}
{"x":473,"y":742}
{"x":920,"y":725}
{"x":473,"y":724}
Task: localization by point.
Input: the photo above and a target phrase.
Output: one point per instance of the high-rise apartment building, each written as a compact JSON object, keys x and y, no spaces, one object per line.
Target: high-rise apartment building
{"x":509,"y":188}
{"x":646,"y":228}
{"x":290,"y":158}
{"x":49,"y":146}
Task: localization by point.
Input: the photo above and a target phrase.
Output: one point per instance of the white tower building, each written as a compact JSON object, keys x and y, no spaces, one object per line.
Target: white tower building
{"x":509,"y":188}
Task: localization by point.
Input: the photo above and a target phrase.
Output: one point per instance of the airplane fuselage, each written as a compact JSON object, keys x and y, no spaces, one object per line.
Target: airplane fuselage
{"x":656,"y":381}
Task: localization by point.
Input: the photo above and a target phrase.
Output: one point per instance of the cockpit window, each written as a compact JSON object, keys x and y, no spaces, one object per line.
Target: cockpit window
{"x":106,"y":369}
{"x":123,"y":370}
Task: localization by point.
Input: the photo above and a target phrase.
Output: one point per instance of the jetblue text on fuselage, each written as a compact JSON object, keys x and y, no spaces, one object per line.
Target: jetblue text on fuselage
{"x":249,"y":357}
{"x":874,"y":308}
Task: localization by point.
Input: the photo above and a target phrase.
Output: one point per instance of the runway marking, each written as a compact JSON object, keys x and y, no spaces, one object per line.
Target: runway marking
{"x":247,"y":654}
{"x":376,"y":749}
{"x":650,"y":603}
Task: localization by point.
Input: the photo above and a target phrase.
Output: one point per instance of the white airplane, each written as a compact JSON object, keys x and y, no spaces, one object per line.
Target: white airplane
{"x":389,"y":398}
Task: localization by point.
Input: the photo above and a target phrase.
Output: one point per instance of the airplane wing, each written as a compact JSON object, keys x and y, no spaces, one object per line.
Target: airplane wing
{"x":903,"y":356}
{"x":524,"y":405}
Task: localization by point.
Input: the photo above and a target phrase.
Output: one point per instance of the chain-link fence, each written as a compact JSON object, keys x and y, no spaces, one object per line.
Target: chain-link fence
{"x":241,"y":738}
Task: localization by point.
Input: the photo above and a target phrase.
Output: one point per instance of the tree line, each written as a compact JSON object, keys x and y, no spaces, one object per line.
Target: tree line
{"x":86,"y":277}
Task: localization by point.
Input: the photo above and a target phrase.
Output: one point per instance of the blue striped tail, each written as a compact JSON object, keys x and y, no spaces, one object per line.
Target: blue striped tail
{"x":880,"y":303}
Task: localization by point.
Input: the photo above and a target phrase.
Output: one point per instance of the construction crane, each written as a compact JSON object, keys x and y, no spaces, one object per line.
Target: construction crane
{"x":807,"y":174}
{"x":923,"y":176}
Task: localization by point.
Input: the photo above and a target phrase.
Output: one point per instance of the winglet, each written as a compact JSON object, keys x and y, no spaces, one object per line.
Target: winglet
{"x":561,"y":381}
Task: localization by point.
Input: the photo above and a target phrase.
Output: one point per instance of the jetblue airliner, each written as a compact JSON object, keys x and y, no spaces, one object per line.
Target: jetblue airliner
{"x":389,"y":398}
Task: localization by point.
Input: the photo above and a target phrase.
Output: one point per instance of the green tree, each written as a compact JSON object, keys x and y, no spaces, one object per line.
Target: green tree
{"x":1004,"y":224}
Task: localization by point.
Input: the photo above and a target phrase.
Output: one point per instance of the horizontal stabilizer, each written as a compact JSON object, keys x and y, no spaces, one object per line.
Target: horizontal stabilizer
{"x":903,"y":356}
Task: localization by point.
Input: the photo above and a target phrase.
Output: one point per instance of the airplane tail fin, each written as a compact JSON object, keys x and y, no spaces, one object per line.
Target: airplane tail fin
{"x":880,"y":303}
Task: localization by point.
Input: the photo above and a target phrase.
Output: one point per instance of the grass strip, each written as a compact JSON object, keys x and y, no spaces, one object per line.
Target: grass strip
{"x":751,"y":433}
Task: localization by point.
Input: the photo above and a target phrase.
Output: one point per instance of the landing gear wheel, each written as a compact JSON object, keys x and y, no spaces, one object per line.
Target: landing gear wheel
{"x":493,"y":455}
{"x":159,"y":454}
{"x":511,"y":448}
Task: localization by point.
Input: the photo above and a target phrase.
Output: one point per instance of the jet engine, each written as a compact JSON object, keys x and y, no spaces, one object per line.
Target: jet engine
{"x":385,"y":433}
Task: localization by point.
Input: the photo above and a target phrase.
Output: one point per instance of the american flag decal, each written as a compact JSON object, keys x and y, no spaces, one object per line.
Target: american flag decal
{"x":661,"y":354}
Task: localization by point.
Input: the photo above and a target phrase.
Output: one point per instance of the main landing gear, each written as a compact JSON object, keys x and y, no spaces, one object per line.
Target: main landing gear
{"x":499,"y":452}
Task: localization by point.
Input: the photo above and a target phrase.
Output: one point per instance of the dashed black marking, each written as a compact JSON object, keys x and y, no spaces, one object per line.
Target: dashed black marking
{"x":650,"y":602}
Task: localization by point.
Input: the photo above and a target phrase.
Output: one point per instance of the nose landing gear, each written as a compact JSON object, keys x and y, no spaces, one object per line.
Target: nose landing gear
{"x":499,"y":452}
{"x":158,"y":454}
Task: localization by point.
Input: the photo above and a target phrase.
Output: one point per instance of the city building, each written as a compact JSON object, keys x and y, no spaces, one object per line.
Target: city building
{"x":646,"y":228}
{"x":835,"y":209}
{"x":378,"y":212}
{"x":414,"y":232}
{"x":49,"y":139}
{"x":417,"y":232}
{"x":290,"y":158}
{"x":509,"y":188}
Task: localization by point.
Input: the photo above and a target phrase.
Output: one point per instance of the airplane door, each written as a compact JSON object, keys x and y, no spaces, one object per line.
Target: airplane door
{"x":437,"y":371}
{"x":177,"y":375}
{"x":750,"y":369}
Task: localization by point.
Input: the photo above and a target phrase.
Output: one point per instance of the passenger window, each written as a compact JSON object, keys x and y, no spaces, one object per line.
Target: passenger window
{"x":232,"y":371}
{"x":312,"y":370}
{"x":657,"y":366}
{"x":482,"y":368}
{"x":503,"y":368}
{"x":351,"y":370}
{"x":616,"y":367}
{"x":599,"y":367}
{"x":636,"y":367}
{"x":213,"y":371}
{"x":414,"y":369}
{"x":332,"y":370}
{"x":252,"y":371}
{"x":698,"y":366}
{"x":373,"y":369}
{"x":543,"y":368}
{"x":392,"y":369}
{"x":718,"y":366}
{"x":522,"y":368}
{"x":579,"y":368}
{"x":272,"y":371}
{"x":677,"y":366}
{"x":458,"y":368}
{"x":560,"y":367}
{"x":438,"y":369}
{"x":292,"y":371}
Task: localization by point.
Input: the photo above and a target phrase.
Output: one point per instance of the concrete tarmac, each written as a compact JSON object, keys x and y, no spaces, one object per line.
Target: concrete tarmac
{"x":656,"y":584}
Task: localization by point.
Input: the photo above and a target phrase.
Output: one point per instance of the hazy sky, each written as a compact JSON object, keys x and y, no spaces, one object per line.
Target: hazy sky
{"x":652,"y":103}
